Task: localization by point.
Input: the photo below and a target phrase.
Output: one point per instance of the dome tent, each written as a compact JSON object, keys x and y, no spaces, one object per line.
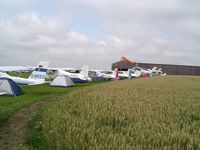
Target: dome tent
{"x":9,"y":88}
{"x":62,"y":81}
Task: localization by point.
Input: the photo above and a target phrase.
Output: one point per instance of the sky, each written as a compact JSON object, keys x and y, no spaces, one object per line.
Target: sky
{"x":73,"y":33}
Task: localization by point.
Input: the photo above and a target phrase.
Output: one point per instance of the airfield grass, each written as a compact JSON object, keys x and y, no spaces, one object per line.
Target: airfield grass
{"x":10,"y":105}
{"x":22,"y":75}
{"x":150,"y":113}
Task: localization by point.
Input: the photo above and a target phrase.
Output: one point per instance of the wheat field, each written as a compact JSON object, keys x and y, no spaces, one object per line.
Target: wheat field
{"x":150,"y":113}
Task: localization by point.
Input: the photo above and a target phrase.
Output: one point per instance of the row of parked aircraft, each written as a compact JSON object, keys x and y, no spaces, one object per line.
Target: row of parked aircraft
{"x":42,"y":71}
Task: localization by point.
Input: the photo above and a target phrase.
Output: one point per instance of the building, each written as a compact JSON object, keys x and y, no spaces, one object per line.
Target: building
{"x":168,"y":68}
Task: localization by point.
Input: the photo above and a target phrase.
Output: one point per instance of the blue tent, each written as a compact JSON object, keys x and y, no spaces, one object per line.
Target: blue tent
{"x":9,"y":88}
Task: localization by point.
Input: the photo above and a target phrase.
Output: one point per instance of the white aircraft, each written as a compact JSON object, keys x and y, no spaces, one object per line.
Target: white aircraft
{"x":96,"y":75}
{"x":108,"y":74}
{"x":76,"y":77}
{"x":36,"y":77}
{"x":131,"y":73}
{"x":103,"y":74}
{"x":157,"y":71}
{"x":143,"y":72}
{"x":149,"y":72}
{"x":116,"y":74}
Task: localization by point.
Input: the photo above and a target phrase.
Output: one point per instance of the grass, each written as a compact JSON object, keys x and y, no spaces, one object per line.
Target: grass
{"x":22,"y":75}
{"x":9,"y":105}
{"x":151,"y":113}
{"x":34,"y":136}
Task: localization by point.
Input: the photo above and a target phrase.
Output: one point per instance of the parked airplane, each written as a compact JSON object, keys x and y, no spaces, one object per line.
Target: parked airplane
{"x":108,"y":74}
{"x":157,"y":71}
{"x":36,"y":77}
{"x":96,"y":75}
{"x":131,"y":73}
{"x":104,"y":74}
{"x":144,"y":72}
{"x":76,"y":77}
{"x":116,"y":74}
{"x":149,"y":72}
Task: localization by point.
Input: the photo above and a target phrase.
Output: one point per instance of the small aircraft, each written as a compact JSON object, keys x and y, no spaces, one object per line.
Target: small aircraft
{"x":144,"y":72}
{"x":77,"y":76}
{"x":116,"y":74}
{"x":157,"y":71}
{"x":149,"y":72}
{"x":37,"y":76}
{"x":107,"y":74}
{"x":131,"y":73}
{"x":97,"y":75}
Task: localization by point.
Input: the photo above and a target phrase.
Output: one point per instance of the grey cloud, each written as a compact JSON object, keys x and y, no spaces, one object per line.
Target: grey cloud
{"x":31,"y":38}
{"x":147,"y":31}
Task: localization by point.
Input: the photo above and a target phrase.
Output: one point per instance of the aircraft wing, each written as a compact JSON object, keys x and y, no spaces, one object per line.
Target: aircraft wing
{"x":65,"y":69}
{"x":14,"y":68}
{"x":42,"y":64}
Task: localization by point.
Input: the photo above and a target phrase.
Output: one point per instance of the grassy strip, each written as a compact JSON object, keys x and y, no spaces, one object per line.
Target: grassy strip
{"x":152,"y":113}
{"x":10,"y":105}
{"x":34,"y":136}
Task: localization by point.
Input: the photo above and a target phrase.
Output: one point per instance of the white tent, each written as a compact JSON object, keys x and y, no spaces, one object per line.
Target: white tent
{"x":63,"y":81}
{"x":9,"y":88}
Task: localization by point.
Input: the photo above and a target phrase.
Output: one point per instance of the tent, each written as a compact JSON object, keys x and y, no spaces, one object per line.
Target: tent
{"x":9,"y":88}
{"x":63,"y":81}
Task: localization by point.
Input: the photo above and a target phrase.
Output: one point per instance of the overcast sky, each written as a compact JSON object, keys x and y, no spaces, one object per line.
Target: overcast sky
{"x":71,"y":33}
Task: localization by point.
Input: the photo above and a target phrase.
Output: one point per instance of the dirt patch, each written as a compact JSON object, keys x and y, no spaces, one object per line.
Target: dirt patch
{"x":12,"y":134}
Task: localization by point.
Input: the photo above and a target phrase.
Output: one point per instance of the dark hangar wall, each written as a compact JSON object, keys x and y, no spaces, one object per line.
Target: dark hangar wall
{"x":169,"y":69}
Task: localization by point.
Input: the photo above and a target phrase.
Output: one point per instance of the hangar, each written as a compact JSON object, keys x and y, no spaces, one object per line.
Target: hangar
{"x":168,"y":68}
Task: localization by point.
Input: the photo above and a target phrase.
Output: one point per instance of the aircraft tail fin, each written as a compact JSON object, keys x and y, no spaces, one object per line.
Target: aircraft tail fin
{"x":43,"y":64}
{"x":85,"y":70}
{"x":154,"y":68}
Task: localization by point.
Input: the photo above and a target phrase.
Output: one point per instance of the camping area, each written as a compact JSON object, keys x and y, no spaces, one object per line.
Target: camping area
{"x":145,"y":113}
